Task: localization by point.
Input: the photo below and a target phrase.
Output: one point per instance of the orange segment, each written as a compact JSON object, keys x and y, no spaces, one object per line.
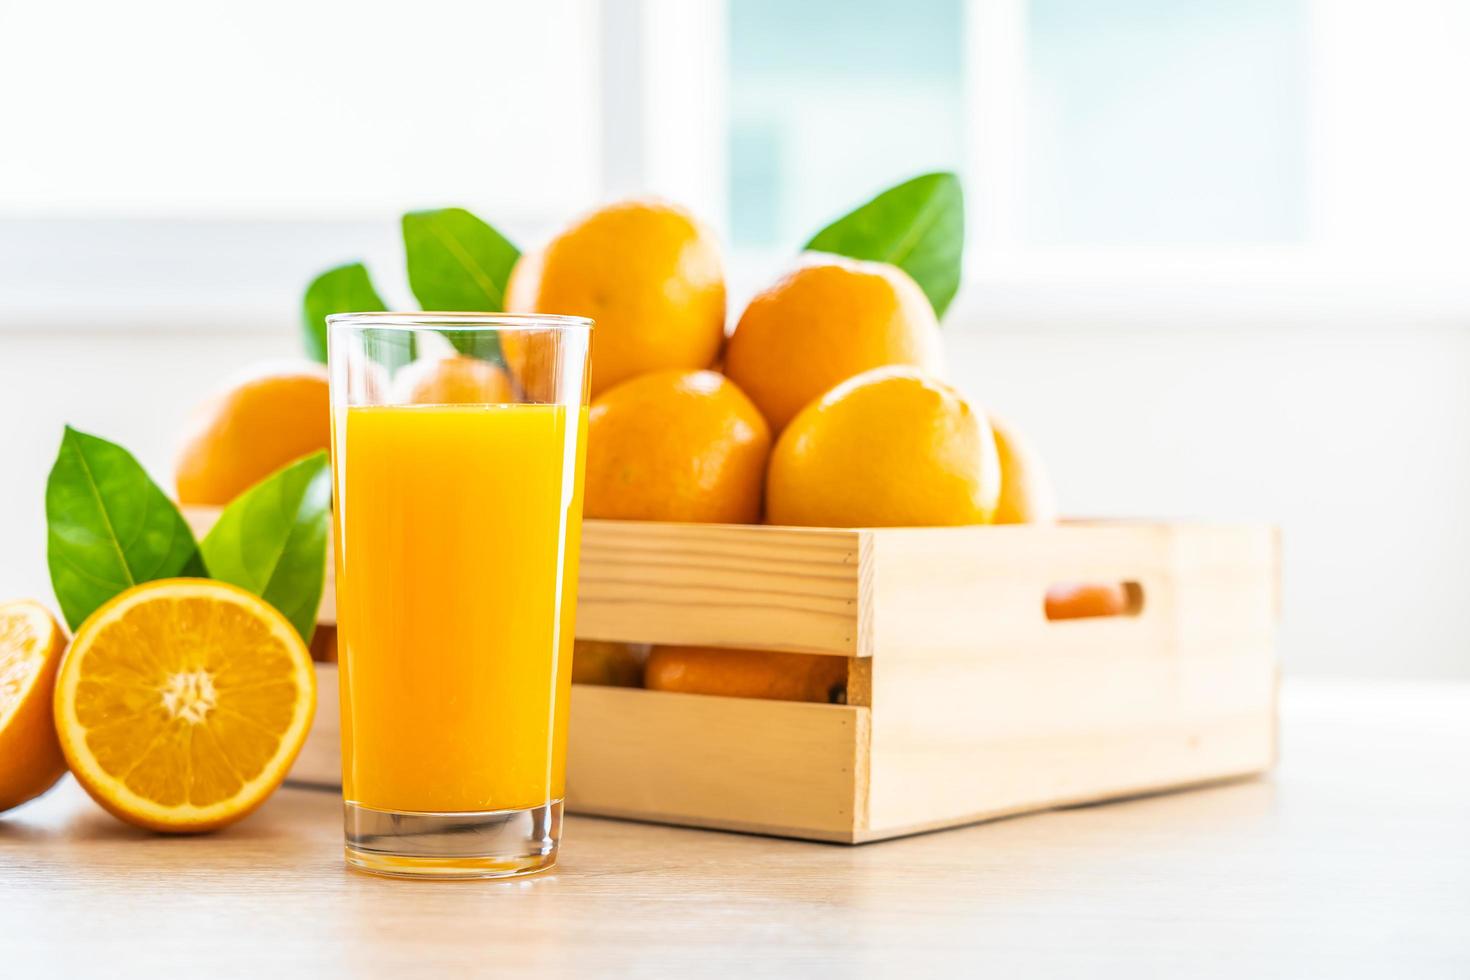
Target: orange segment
{"x":183,"y":703}
{"x":31,"y":645}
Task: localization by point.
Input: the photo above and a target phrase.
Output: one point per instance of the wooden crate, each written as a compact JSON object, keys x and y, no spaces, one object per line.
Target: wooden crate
{"x":964,"y":702}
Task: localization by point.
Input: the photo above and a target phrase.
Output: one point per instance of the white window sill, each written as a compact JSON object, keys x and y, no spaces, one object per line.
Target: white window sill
{"x":245,"y":278}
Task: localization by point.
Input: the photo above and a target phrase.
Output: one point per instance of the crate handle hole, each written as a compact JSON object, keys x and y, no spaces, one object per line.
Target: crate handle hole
{"x":1093,"y":600}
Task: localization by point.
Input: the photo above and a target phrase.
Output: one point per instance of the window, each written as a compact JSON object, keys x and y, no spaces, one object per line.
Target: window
{"x":830,"y":99}
{"x":189,"y":156}
{"x":284,"y":109}
{"x":1281,"y":140}
{"x":184,"y":164}
{"x":1166,"y":121}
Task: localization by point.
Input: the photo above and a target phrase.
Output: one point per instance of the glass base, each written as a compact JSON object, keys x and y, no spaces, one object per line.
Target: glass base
{"x":488,"y":844}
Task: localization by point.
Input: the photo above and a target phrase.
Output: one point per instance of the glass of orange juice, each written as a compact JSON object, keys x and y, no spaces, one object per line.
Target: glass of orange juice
{"x":457,"y":449}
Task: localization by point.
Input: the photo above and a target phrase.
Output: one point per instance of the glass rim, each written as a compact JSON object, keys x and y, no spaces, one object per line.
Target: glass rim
{"x":433,"y":320}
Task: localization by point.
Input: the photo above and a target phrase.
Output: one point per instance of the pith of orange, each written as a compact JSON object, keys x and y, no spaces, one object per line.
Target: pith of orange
{"x":676,"y":446}
{"x":825,"y":321}
{"x":647,"y":272}
{"x":747,"y":673}
{"x":31,"y":646}
{"x":891,"y":447}
{"x":249,"y":429}
{"x":183,"y":702}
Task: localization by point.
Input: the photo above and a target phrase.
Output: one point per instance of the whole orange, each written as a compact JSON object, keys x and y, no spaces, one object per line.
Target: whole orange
{"x":256,"y":424}
{"x":1084,"y":600}
{"x":747,"y":673}
{"x":890,"y":447}
{"x":456,"y":380}
{"x":607,"y":664}
{"x":647,"y":272}
{"x":1026,"y":494}
{"x":676,"y":446}
{"x":825,"y":321}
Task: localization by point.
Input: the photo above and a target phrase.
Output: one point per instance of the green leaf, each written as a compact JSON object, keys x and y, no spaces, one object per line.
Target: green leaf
{"x":457,"y":263}
{"x":108,"y":526}
{"x":918,"y":226}
{"x":272,"y":540}
{"x":345,"y":289}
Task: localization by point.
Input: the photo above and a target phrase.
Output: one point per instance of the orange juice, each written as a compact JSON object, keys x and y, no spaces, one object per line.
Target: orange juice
{"x":458,"y":530}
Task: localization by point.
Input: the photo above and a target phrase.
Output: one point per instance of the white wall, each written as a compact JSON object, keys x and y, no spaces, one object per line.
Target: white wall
{"x":1353,"y":442}
{"x":1352,"y":439}
{"x":135,"y":388}
{"x":296,"y":108}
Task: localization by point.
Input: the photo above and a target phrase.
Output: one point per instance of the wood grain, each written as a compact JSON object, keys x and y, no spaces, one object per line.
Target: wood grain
{"x":794,"y":589}
{"x":975,"y":705}
{"x":967,"y":703}
{"x":777,"y":767}
{"x":1350,"y":861}
{"x":982,"y":707}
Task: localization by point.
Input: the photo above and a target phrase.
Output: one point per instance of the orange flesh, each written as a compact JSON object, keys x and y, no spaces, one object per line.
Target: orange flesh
{"x":185,"y":701}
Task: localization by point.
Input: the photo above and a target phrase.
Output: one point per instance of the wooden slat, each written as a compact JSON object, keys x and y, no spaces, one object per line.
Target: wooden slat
{"x":1050,"y":774}
{"x":723,"y":585}
{"x":320,"y":761}
{"x":771,"y":767}
{"x":978,"y":589}
{"x":982,"y":707}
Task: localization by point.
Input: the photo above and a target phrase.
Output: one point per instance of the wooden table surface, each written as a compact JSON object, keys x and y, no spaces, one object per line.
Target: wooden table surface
{"x":1352,"y":859}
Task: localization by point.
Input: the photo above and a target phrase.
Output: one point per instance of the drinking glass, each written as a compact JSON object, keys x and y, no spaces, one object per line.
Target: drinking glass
{"x":457,"y":450}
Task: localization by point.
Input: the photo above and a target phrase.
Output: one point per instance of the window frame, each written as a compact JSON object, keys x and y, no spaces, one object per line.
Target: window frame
{"x":1010,"y":281}
{"x":663,"y":104}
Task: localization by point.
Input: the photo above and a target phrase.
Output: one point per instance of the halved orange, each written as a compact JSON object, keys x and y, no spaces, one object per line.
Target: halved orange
{"x":31,"y":645}
{"x":183,"y":702}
